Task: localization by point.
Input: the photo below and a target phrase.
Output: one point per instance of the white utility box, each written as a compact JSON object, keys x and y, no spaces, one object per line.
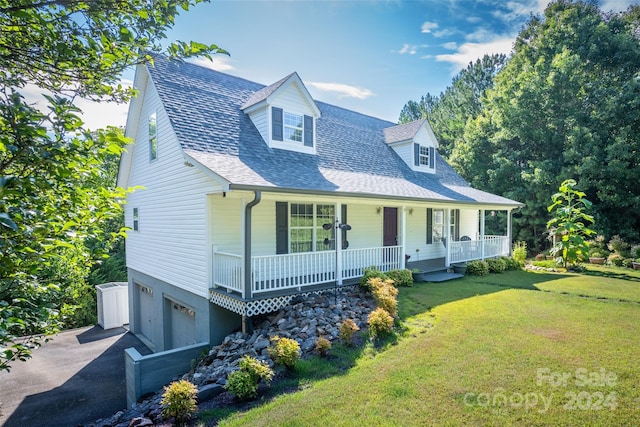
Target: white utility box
{"x":113,"y":304}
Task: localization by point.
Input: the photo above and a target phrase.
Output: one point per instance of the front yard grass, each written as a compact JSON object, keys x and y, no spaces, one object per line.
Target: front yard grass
{"x":517,"y":348}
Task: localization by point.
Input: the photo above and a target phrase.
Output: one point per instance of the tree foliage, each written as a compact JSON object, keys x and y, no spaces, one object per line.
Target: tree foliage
{"x":55,"y":201}
{"x":449,"y":112}
{"x":570,"y":223}
{"x":566,"y":104}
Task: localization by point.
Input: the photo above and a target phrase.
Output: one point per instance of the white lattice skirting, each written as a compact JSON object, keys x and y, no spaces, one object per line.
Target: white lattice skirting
{"x":262,"y":306}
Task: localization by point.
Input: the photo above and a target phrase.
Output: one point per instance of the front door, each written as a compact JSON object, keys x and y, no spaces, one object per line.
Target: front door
{"x":390,"y":227}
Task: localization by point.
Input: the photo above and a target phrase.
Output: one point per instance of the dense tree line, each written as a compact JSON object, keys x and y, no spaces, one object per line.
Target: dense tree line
{"x":59,"y":212}
{"x":565,"y":104}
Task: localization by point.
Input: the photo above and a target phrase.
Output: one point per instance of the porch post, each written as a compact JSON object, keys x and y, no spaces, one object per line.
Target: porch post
{"x":509,"y":237}
{"x":338,"y":243}
{"x":403,"y":238}
{"x":447,"y":233}
{"x":482,"y":240}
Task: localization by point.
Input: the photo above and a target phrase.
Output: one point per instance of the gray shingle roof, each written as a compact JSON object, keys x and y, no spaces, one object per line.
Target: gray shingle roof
{"x":403,"y":132}
{"x":353,"y":158}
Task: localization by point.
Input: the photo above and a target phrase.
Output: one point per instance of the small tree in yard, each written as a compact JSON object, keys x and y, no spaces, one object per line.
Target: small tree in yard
{"x":569,"y":224}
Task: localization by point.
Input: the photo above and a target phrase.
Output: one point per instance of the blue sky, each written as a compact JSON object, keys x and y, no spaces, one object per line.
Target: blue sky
{"x":368,"y":56}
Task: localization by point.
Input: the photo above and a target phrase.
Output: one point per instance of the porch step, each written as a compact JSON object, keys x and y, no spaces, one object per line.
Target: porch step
{"x":441,"y":276}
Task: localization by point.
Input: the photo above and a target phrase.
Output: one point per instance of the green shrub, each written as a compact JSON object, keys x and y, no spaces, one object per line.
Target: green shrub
{"x":598,"y":245}
{"x":511,"y":263}
{"x":520,"y":252}
{"x":618,"y":245}
{"x":385,"y":295}
{"x":370,"y":273}
{"x":284,"y":351}
{"x":595,"y":254}
{"x":244,"y":382}
{"x":496,"y":265}
{"x":380,"y":323}
{"x":179,"y":400}
{"x":478,"y":268}
{"x":401,"y":277}
{"x":635,"y":251}
{"x":627,"y":262}
{"x":323,"y":346}
{"x":347,"y":329}
{"x":550,"y":263}
{"x":616,"y":259}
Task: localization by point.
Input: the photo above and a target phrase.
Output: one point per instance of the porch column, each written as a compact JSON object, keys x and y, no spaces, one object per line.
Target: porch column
{"x":482,"y":214}
{"x":447,"y":233}
{"x":338,"y":243}
{"x":509,"y":242}
{"x":403,"y":238}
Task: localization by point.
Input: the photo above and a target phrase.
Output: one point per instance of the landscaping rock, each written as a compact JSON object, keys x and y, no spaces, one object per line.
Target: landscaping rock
{"x":304,"y":319}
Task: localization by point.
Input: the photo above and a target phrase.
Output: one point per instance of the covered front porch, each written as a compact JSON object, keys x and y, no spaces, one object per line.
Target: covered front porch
{"x":283,"y":274}
{"x":295,"y":244}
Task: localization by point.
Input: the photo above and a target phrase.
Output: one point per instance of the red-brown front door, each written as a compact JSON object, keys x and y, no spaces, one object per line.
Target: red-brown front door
{"x":390,"y":227}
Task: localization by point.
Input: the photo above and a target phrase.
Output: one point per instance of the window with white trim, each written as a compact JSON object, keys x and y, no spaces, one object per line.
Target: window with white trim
{"x":306,"y":233}
{"x":153,"y":137}
{"x":135,"y":219}
{"x":438,"y":225}
{"x":424,"y":156}
{"x":293,"y":127}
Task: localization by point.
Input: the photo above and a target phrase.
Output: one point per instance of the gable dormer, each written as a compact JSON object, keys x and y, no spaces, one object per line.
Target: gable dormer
{"x":285,"y":114}
{"x":415,"y":143}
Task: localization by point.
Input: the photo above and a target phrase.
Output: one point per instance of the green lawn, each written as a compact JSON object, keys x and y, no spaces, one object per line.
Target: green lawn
{"x":516,"y":348}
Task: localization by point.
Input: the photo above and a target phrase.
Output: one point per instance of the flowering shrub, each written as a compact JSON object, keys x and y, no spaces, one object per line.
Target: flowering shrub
{"x":179,"y":400}
{"x":380,"y":323}
{"x":284,"y":351}
{"x":347,"y":329}
{"x":371,"y":273}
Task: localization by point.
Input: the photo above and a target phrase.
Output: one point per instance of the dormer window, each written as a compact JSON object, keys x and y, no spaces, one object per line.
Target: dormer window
{"x":424,"y":156}
{"x":293,"y":127}
{"x":288,"y":126}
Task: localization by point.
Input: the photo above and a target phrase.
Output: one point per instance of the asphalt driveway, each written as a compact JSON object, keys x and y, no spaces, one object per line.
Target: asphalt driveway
{"x":74,"y":379}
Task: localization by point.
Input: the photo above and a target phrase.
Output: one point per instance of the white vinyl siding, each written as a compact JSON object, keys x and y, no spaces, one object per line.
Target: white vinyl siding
{"x":469,"y":223}
{"x":406,"y":151}
{"x":416,"y":232}
{"x":172,"y":243}
{"x":260,"y":120}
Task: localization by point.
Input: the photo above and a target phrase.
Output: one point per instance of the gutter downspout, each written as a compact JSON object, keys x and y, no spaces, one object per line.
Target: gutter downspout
{"x":247,"y":255}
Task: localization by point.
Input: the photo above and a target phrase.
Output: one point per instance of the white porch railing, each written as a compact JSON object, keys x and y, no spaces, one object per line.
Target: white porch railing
{"x":228,"y":271}
{"x":295,"y":271}
{"x":278,"y":272}
{"x":490,"y":246}
{"x":354,"y":261}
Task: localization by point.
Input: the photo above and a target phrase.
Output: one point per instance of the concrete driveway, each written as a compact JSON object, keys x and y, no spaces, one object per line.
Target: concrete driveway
{"x":74,"y":379}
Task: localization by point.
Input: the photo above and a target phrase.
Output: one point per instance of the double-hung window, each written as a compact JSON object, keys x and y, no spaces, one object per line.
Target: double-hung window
{"x":306,"y":231}
{"x":293,"y":127}
{"x":424,"y":156}
{"x":438,"y":225}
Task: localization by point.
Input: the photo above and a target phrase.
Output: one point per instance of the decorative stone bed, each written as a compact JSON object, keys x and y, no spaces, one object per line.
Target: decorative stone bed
{"x":304,"y":319}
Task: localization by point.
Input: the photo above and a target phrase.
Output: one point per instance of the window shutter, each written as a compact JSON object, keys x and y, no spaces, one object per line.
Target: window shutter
{"x":416,"y":154}
{"x":308,"y":131}
{"x":456,"y":227}
{"x":343,"y":215}
{"x":432,"y":157}
{"x":282,"y":228}
{"x":276,"y":123}
{"x":429,"y":226}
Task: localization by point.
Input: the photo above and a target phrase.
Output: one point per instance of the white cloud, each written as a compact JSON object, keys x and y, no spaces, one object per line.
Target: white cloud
{"x":474,"y":19}
{"x":469,"y":52}
{"x":450,"y":45}
{"x":617,"y":5}
{"x":411,"y":49}
{"x":218,"y":63}
{"x":481,"y":35}
{"x":444,"y":33}
{"x":428,"y":26}
{"x":96,"y":115}
{"x":343,"y":90}
{"x":519,"y":10}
